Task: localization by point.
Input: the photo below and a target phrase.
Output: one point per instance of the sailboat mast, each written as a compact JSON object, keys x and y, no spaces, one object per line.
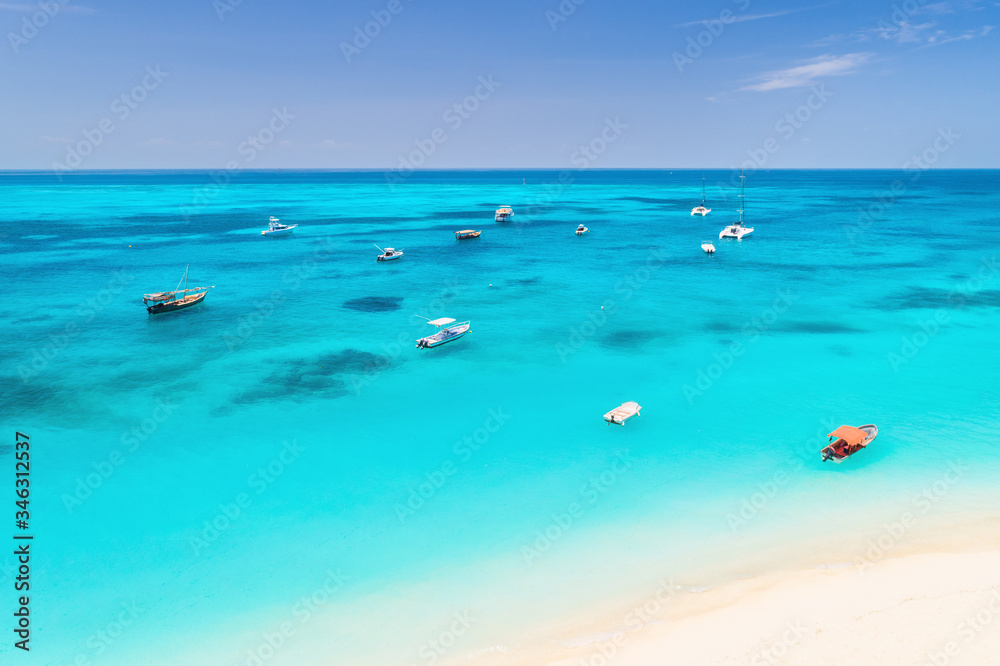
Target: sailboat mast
{"x":742,"y":196}
{"x":702,"y":190}
{"x":186,"y":269}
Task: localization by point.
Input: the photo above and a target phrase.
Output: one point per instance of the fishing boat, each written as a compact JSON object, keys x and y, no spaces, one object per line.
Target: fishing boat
{"x":276,"y":228}
{"x":849,"y":440}
{"x":737,"y":230}
{"x":708,"y":247}
{"x":388,"y":254}
{"x":581,"y":230}
{"x":623,"y":413}
{"x":504,"y":213}
{"x":467,"y":233}
{"x":700,"y":209}
{"x":446,"y":332}
{"x":178,"y":299}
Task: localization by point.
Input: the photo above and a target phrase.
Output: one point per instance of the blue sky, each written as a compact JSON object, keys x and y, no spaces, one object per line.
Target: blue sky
{"x":206,"y":83}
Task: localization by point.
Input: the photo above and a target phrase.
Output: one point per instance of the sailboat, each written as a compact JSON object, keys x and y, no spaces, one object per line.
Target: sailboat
{"x":737,"y":230}
{"x":700,"y":209}
{"x":178,"y":299}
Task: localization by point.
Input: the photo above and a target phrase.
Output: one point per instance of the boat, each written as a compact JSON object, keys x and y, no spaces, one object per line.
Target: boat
{"x":276,"y":228}
{"x":581,"y":230}
{"x":700,"y":209}
{"x":467,"y":233}
{"x":388,"y":254}
{"x":737,"y":230}
{"x":446,"y":332}
{"x":504,"y":213}
{"x":849,"y":440}
{"x":623,"y":413}
{"x":708,"y":247}
{"x":178,"y":299}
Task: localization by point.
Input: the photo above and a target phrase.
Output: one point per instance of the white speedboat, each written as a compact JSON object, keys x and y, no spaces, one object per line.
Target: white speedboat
{"x":388,"y":254}
{"x":737,"y":230}
{"x":700,"y":209}
{"x":708,"y":247}
{"x":276,"y":228}
{"x":504,"y":213}
{"x":581,"y":230}
{"x":447,"y":331}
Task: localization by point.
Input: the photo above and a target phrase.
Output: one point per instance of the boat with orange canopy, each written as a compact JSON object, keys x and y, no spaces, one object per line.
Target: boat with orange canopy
{"x":849,"y":440}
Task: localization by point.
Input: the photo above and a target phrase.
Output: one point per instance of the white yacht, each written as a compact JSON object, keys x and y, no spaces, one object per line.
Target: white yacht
{"x":700,"y":209}
{"x":737,"y":230}
{"x":503,"y":214}
{"x":388,"y":254}
{"x":276,"y":228}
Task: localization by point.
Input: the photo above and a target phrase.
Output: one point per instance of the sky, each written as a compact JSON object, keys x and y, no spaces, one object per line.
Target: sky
{"x":439,"y":84}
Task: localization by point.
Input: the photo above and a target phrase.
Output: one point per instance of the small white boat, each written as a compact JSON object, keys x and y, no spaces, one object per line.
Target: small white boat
{"x":700,"y":209}
{"x":708,"y":247}
{"x":276,"y":228}
{"x":623,"y":413}
{"x":737,"y":230}
{"x":503,"y":214}
{"x":581,"y":230}
{"x":388,"y":254}
{"x":446,"y":332}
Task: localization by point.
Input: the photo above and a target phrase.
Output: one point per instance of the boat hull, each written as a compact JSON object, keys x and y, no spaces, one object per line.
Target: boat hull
{"x":382,"y":257}
{"x":437,"y":339}
{"x":180,"y":304}
{"x":701,"y":211}
{"x":278,"y":232}
{"x":738,"y":235}
{"x":461,"y":236}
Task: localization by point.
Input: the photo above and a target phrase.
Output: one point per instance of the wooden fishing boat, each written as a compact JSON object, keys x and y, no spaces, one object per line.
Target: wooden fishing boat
{"x":623,"y":413}
{"x":850,"y":440}
{"x":467,"y":233}
{"x":178,"y":299}
{"x":445,"y":332}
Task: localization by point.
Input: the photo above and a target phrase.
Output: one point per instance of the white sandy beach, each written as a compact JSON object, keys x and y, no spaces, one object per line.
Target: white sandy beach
{"x":930,"y":608}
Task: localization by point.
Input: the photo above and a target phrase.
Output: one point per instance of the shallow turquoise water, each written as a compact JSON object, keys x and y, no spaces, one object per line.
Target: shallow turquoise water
{"x":739,"y":360}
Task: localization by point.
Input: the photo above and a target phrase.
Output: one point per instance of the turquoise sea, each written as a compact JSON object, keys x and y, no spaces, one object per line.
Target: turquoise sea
{"x":278,"y":476}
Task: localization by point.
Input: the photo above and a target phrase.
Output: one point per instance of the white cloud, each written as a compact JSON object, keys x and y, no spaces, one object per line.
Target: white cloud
{"x":740,"y":18}
{"x":803,"y":75}
{"x":34,"y":8}
{"x":55,"y":139}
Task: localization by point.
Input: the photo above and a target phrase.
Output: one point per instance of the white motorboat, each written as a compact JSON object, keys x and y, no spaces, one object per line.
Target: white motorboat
{"x":708,"y":247}
{"x":388,"y":254}
{"x":581,"y":230}
{"x":503,"y":214}
{"x":276,"y":228}
{"x":737,"y":230}
{"x":701,"y":209}
{"x":447,"y":331}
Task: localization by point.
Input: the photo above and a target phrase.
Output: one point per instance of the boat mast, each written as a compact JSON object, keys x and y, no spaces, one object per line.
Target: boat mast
{"x":742,"y":197}
{"x":702,"y":190}
{"x":183,"y":279}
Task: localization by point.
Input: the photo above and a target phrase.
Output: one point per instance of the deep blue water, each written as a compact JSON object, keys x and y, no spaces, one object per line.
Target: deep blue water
{"x":292,"y":410}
